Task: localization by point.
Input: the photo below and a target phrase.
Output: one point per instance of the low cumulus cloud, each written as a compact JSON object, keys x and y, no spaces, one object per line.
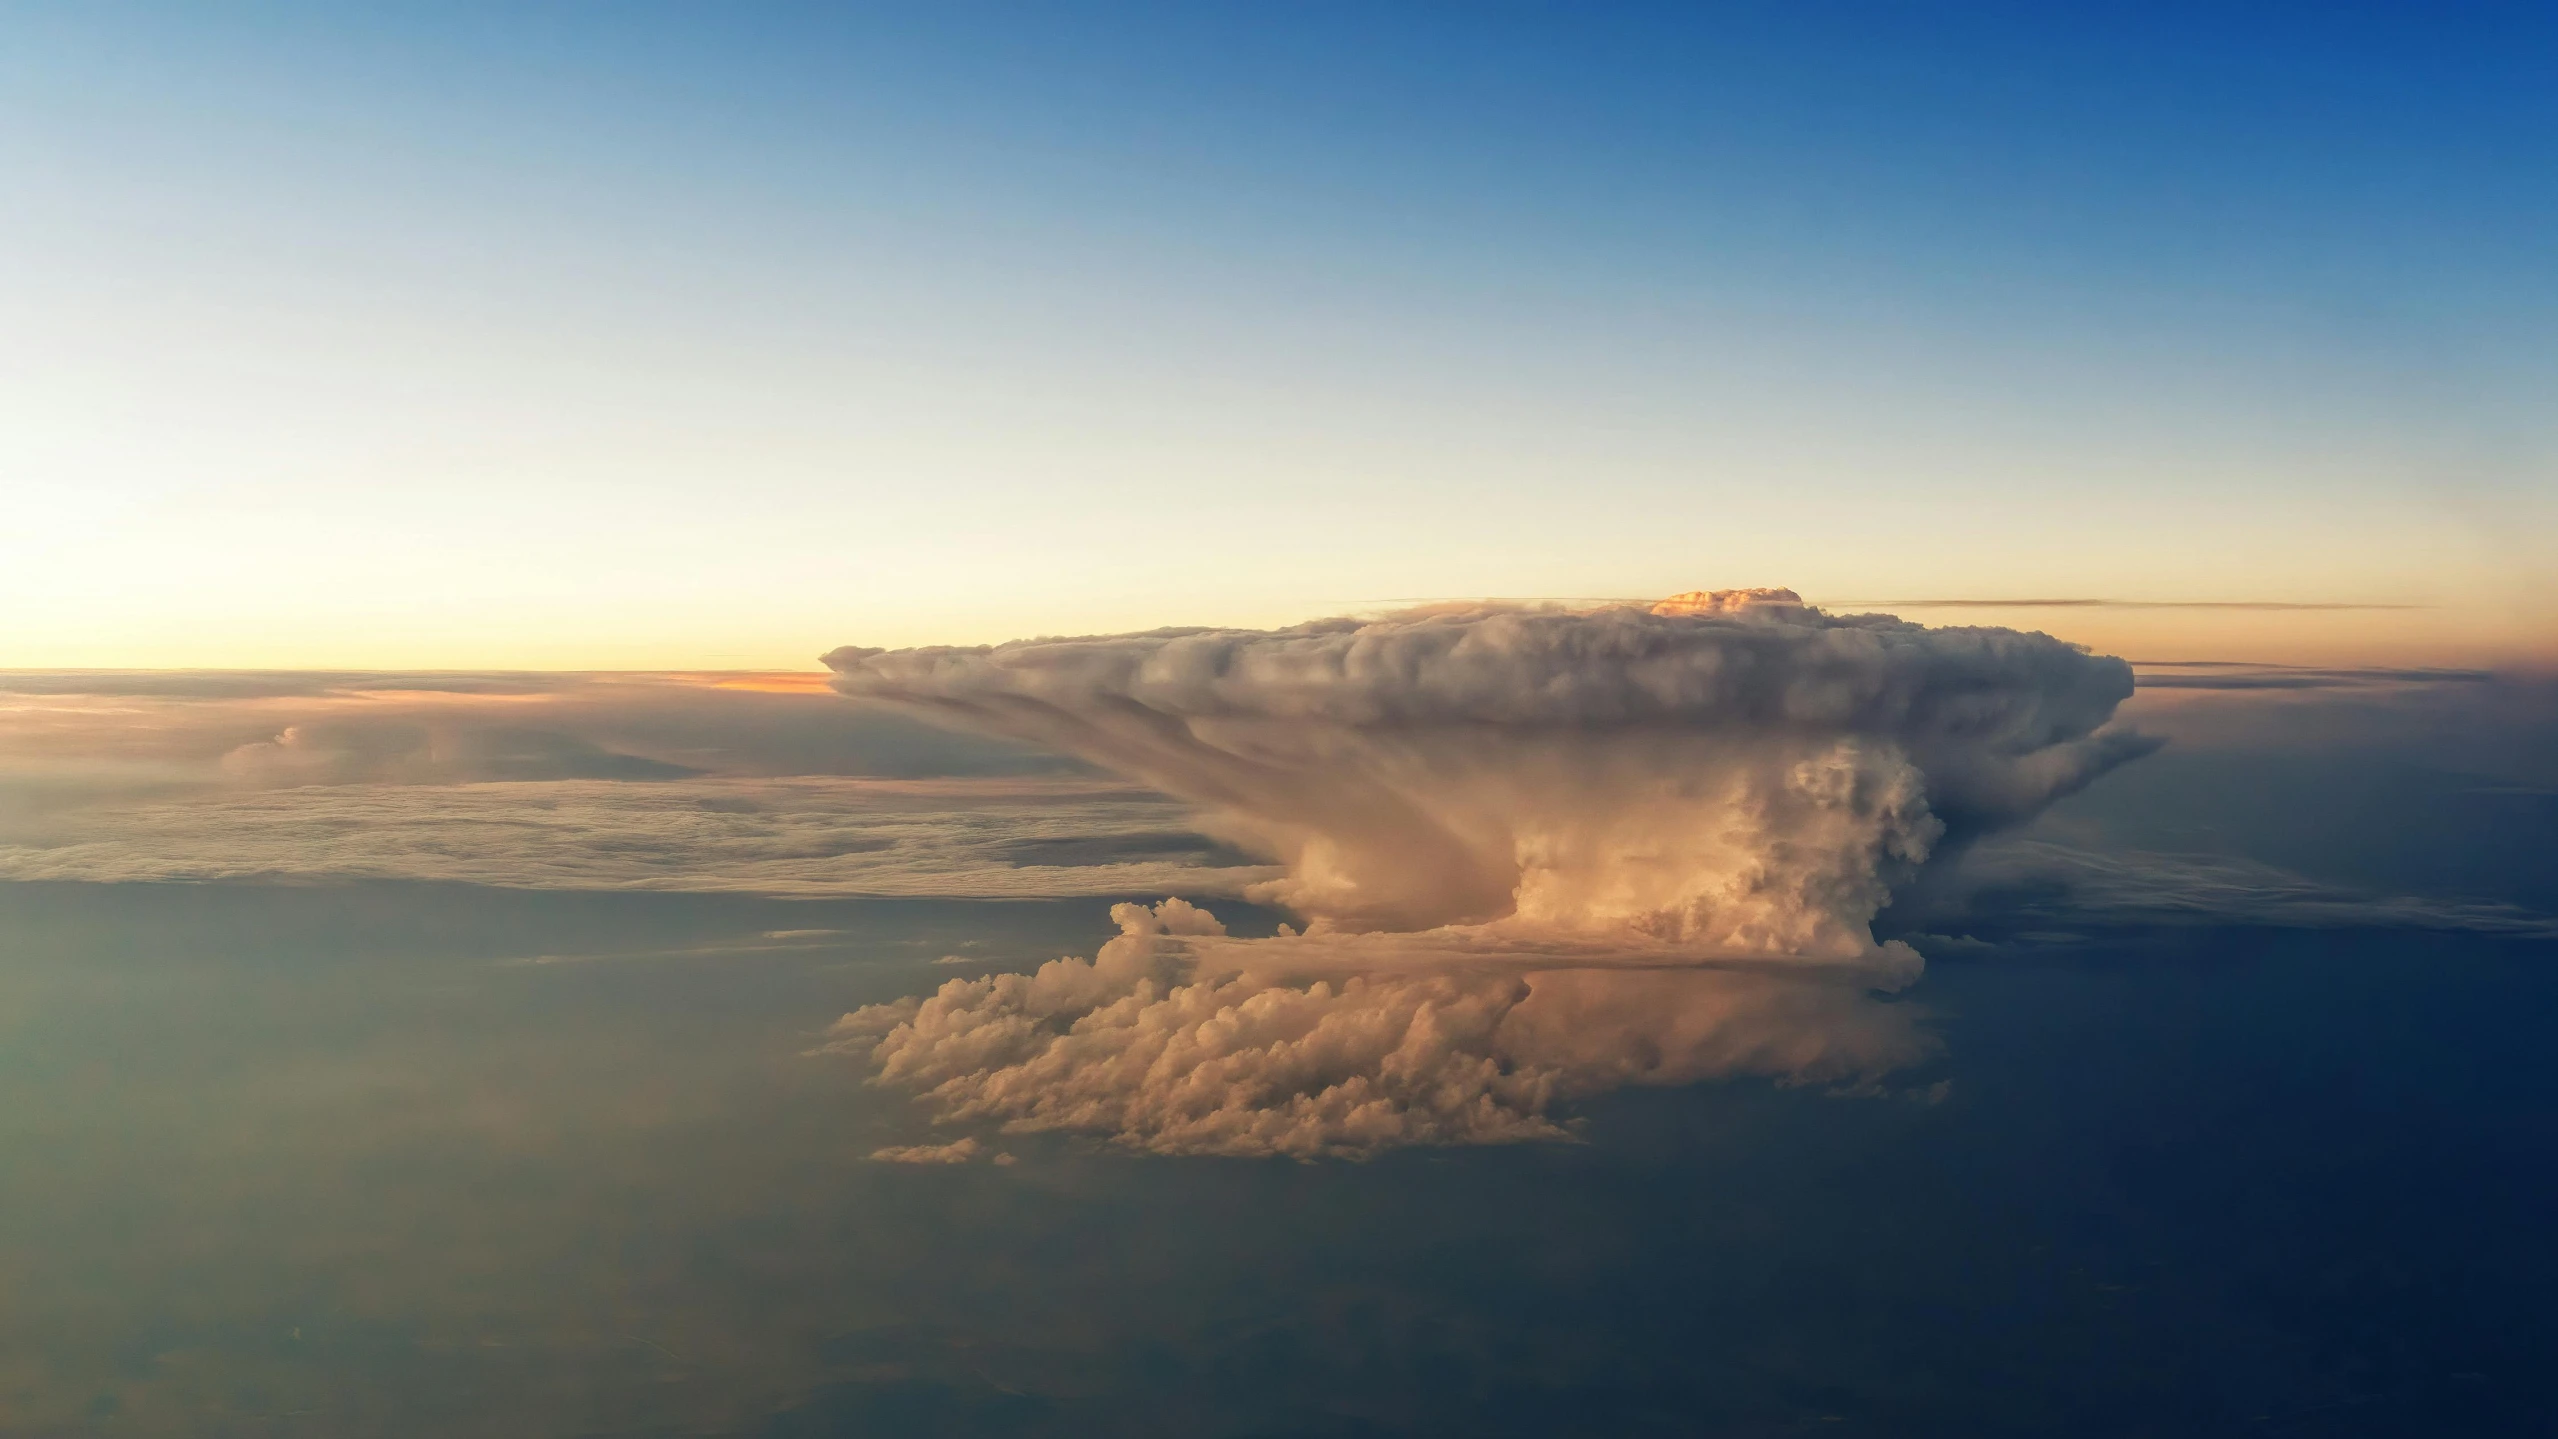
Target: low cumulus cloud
{"x":1180,"y":1040}
{"x":1538,"y":853}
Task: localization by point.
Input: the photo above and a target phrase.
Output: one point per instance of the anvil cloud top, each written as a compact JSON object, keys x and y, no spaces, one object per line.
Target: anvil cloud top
{"x":1486,"y":815}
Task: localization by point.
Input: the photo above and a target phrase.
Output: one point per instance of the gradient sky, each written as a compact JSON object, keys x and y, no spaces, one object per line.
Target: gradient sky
{"x":679,"y":336}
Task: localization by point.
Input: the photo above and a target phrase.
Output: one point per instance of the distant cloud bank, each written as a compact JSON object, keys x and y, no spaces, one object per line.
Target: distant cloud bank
{"x":811,"y":836}
{"x":2232,"y":675}
{"x":2023,"y":883}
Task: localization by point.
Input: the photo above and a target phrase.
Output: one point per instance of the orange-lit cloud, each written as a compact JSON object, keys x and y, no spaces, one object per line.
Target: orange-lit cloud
{"x":1540,"y":852}
{"x":778,"y":682}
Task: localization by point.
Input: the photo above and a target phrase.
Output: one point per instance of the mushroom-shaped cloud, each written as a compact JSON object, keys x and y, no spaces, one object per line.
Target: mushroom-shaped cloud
{"x":1481,"y":809}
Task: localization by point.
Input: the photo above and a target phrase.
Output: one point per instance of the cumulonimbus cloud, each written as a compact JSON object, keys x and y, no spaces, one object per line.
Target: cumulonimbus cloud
{"x":1536,"y":851}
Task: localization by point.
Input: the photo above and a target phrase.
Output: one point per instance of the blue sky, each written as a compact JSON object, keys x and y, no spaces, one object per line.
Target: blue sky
{"x":678,"y":336}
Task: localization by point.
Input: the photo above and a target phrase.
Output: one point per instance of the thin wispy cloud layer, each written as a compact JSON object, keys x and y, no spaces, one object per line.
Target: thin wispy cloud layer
{"x":2236,"y":675}
{"x":809,"y":836}
{"x":1536,"y":853}
{"x":275,"y":684}
{"x":2056,"y":603}
{"x":1673,"y":824}
{"x":416,"y":754}
{"x":2023,"y":884}
{"x":119,"y":730}
{"x":763,"y":783}
{"x":2270,"y":606}
{"x":2479,"y":722}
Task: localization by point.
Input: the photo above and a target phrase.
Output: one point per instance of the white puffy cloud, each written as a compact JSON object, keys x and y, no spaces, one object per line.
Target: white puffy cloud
{"x":1538,"y":851}
{"x":1177,"y":1040}
{"x":1747,"y":776}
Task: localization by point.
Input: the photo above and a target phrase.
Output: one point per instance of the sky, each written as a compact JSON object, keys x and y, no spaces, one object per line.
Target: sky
{"x":550,"y":881}
{"x":671,"y":337}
